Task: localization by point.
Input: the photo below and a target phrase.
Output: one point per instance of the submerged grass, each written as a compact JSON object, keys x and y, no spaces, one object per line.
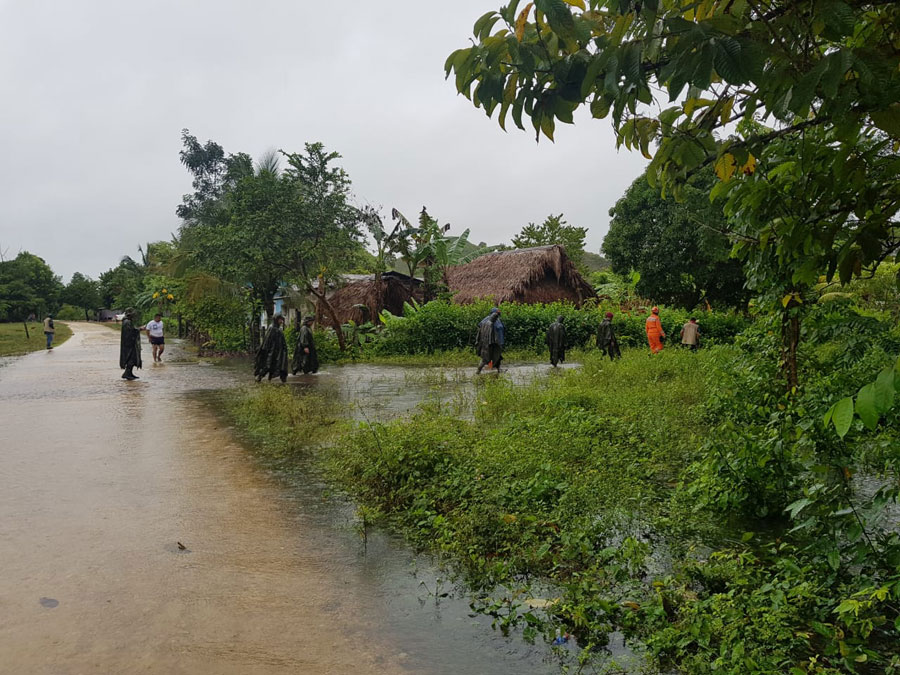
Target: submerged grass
{"x":562,"y":482}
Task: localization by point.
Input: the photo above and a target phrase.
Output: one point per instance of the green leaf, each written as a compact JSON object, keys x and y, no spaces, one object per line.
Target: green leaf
{"x":866,"y":407}
{"x":888,"y":120}
{"x":795,"y":508}
{"x":843,"y":416}
{"x":558,"y":16}
{"x":884,"y":391}
{"x":834,"y":559}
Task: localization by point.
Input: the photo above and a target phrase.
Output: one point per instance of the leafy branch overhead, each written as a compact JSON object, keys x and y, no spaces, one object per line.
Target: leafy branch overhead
{"x":828,"y":65}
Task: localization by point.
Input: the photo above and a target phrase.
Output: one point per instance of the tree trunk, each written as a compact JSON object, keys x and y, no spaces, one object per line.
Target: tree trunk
{"x":332,"y":315}
{"x":85,"y":314}
{"x":379,"y":294}
{"x":790,"y":341}
{"x":27,"y":335}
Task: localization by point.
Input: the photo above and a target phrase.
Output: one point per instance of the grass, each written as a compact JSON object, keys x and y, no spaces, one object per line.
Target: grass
{"x":13,"y":341}
{"x":457,"y":358}
{"x":566,"y":482}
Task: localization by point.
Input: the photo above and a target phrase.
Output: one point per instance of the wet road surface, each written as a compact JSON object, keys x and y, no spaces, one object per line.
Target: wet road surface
{"x":101,"y":479}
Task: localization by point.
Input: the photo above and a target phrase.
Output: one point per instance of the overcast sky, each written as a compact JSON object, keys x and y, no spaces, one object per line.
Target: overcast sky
{"x":95,"y":94}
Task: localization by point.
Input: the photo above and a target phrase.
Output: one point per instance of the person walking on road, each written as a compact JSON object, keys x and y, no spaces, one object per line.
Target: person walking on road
{"x":655,"y":333}
{"x":305,"y":357}
{"x":272,"y":357}
{"x":606,"y":338}
{"x":130,"y":346}
{"x":489,"y":341}
{"x":49,"y":330}
{"x":155,"y":331}
{"x":690,"y":335}
{"x":556,"y":341}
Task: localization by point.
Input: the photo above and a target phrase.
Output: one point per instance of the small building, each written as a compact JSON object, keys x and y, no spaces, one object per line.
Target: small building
{"x":525,"y":275}
{"x":108,"y":314}
{"x":362,"y":300}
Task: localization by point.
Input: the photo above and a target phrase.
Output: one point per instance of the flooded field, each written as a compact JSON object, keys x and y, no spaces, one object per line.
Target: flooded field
{"x":138,"y":534}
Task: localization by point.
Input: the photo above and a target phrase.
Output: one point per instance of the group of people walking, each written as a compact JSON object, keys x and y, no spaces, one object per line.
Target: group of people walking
{"x":272,"y":356}
{"x":490,"y":338}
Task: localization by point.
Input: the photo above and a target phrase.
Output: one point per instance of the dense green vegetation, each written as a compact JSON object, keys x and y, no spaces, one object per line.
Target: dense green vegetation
{"x":27,"y":287}
{"x":679,"y":249}
{"x":441,"y":326}
{"x":681,"y":499}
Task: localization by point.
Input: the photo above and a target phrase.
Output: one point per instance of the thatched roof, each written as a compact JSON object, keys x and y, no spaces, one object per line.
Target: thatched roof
{"x":526,"y":275}
{"x":346,"y":301}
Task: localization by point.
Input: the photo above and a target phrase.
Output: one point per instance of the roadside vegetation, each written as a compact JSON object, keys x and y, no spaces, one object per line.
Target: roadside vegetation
{"x":720,"y":525}
{"x":14,"y":342}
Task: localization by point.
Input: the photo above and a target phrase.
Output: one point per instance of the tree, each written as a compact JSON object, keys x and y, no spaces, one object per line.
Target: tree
{"x":229,"y":223}
{"x":319,"y":232}
{"x":554,"y":230}
{"x":679,"y":249}
{"x":83,"y":292}
{"x":823,"y":75}
{"x":27,"y":286}
{"x":429,"y":249}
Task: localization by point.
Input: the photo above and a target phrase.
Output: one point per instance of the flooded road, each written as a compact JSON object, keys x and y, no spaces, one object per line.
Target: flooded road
{"x":102,"y":479}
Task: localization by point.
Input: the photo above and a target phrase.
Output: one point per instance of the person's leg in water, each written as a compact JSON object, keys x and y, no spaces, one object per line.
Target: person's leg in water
{"x":162,"y":348}
{"x":283,"y":376}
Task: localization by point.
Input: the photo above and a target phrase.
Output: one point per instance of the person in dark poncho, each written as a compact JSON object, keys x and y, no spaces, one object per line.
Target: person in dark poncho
{"x":272,"y":357}
{"x":130,"y":346}
{"x":489,"y":341}
{"x":556,"y":341}
{"x":606,"y":338}
{"x":305,"y":358}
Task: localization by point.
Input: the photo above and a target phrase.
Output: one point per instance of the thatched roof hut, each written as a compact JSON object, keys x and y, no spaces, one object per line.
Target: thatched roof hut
{"x":525,"y":275}
{"x":348,"y":301}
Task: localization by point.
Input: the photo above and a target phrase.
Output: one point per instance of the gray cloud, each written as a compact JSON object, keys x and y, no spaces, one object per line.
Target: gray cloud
{"x":97,"y":92}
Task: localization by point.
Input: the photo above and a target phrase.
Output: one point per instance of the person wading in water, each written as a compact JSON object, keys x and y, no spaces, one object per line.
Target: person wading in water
{"x":272,"y":357}
{"x":556,"y":341}
{"x":157,"y":336}
{"x":489,"y":341}
{"x":130,"y":346}
{"x":305,"y":357}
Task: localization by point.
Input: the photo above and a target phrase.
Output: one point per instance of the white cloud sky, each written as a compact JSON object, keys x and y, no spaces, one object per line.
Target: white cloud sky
{"x":96,"y":94}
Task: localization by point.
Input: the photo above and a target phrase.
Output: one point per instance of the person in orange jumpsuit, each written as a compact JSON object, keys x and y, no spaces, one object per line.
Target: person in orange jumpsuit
{"x":654,"y":331}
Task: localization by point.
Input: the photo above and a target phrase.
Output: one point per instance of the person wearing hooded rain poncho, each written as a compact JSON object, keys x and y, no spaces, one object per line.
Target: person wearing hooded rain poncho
{"x":305,"y":357}
{"x":130,"y":346}
{"x":272,"y":357}
{"x":606,"y":338}
{"x":489,"y":340}
{"x":556,"y":341}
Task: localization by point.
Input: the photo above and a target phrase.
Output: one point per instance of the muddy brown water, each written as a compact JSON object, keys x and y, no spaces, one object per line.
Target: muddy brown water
{"x":102,"y":479}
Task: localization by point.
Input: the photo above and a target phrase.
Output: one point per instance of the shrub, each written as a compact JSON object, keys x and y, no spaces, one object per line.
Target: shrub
{"x":442,"y":326}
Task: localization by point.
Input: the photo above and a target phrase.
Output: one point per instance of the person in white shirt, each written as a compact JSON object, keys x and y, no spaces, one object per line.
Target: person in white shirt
{"x":157,"y":340}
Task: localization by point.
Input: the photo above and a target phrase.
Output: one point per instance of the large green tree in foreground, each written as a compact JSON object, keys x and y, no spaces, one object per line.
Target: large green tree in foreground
{"x":679,"y":248}
{"x":798,"y":100}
